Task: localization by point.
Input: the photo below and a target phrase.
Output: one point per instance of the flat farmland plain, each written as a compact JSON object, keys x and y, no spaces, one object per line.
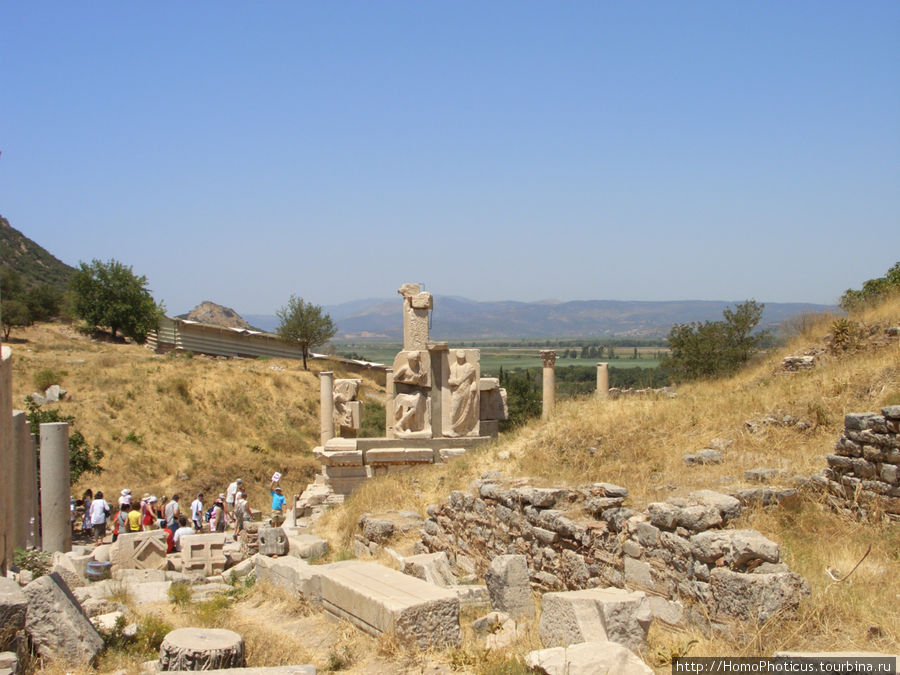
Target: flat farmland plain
{"x":511,"y":357}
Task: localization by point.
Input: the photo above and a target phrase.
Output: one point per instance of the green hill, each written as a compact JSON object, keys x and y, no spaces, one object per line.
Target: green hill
{"x":35,"y":265}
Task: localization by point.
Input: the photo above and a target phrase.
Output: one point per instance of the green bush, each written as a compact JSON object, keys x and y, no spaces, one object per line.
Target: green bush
{"x":38,"y":563}
{"x":47,"y":377}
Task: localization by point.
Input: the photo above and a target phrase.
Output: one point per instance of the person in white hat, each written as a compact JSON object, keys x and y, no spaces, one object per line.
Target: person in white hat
{"x":231,"y":496}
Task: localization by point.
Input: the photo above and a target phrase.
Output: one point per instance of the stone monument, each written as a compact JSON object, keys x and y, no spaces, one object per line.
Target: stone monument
{"x":435,"y":404}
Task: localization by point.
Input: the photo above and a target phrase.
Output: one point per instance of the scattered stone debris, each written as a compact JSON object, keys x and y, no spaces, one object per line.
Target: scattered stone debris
{"x":794,"y":363}
{"x":587,"y":658}
{"x":760,"y":475}
{"x":708,"y":456}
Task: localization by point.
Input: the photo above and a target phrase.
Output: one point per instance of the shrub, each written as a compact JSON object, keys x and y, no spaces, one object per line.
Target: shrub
{"x":38,"y":563}
{"x":47,"y":377}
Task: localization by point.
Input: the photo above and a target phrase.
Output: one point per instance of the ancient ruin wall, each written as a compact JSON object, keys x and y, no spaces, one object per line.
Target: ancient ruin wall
{"x":863,"y":474}
{"x":678,"y":551}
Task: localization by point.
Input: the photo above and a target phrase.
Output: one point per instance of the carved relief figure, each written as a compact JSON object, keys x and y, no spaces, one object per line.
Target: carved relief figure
{"x":410,"y":414}
{"x":413,"y":371}
{"x":463,"y":383}
{"x":345,"y":393}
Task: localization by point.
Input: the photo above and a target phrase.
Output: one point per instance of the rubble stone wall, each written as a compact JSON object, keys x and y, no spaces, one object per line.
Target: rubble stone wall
{"x":677,"y":551}
{"x":863,"y":474}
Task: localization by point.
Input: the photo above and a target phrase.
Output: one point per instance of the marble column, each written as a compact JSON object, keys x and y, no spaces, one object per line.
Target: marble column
{"x":602,"y":380}
{"x":24,"y":493}
{"x":7,"y":476}
{"x":548,"y":356}
{"x":326,"y":406}
{"x":55,"y":488}
{"x":388,"y":403}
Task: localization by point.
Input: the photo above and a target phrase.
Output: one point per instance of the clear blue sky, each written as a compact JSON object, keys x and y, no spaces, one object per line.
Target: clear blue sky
{"x":243,"y":151}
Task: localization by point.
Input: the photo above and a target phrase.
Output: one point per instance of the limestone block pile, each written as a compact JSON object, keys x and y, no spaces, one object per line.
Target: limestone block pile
{"x":863,"y":473}
{"x":679,"y":551}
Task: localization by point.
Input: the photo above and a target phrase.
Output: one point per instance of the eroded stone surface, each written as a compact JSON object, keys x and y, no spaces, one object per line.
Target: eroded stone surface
{"x":139,"y":550}
{"x":507,"y":580}
{"x":13,"y":604}
{"x":612,"y":614}
{"x":587,"y":658}
{"x":58,"y":628}
{"x":201,"y":649}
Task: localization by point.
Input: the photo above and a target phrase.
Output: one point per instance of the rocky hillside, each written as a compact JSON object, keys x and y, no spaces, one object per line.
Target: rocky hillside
{"x":217,"y":315}
{"x":35,"y":265}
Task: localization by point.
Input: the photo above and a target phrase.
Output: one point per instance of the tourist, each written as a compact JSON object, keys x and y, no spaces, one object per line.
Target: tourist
{"x":183,"y":531}
{"x":197,"y":512}
{"x":172,"y":512}
{"x":241,"y":513}
{"x":217,"y":515}
{"x":231,"y":495}
{"x":149,"y":517}
{"x":160,"y":510}
{"x":277,"y":504}
{"x":134,"y":519}
{"x":125,"y":497}
{"x":121,"y":525}
{"x":170,"y":538}
{"x":99,"y":512}
{"x":86,"y":499}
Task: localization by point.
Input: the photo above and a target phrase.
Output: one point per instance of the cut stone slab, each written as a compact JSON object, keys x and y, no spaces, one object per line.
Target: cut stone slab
{"x":272,"y":541}
{"x":431,"y":567}
{"x":380,"y":601}
{"x":307,"y":546}
{"x":755,"y":597}
{"x":587,"y":658}
{"x":201,"y":649}
{"x":56,"y":624}
{"x":13,"y":605}
{"x":509,"y":586}
{"x":140,"y":550}
{"x":107,"y":622}
{"x":597,"y":614}
{"x":203,"y":553}
{"x":289,"y":572}
{"x":9,"y":663}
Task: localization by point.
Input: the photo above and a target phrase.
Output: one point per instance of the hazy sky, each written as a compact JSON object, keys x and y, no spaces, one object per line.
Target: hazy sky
{"x":243,"y":151}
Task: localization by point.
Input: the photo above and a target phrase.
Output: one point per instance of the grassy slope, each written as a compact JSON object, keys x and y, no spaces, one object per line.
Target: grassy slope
{"x":639,"y":443}
{"x":201,"y":417}
{"x":193,"y":423}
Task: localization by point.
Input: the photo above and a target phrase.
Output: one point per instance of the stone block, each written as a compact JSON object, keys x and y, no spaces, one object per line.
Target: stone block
{"x":508,"y":583}
{"x":471,"y":594}
{"x":755,"y":597}
{"x":203,"y":553}
{"x":734,"y":548}
{"x":339,"y":457}
{"x":400,"y":456}
{"x":58,"y":628}
{"x":139,"y":550}
{"x":431,"y":567}
{"x":446,"y":454}
{"x":307,"y":546}
{"x":728,"y":507}
{"x":708,"y":456}
{"x":290,"y":573}
{"x":587,"y":658}
{"x":380,"y":601}
{"x":13,"y":605}
{"x":272,"y":541}
{"x":596,"y":614}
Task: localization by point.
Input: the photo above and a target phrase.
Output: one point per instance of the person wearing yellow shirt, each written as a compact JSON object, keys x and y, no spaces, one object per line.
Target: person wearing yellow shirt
{"x":134,"y":520}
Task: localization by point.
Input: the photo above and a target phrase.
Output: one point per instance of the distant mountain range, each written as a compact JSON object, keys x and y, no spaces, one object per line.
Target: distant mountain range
{"x":36,"y":266}
{"x":460,"y":318}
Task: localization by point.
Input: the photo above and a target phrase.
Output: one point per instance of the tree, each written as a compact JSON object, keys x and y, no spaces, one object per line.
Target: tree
{"x":714,"y":348}
{"x":305,"y":325}
{"x":110,"y":295}
{"x":873,"y":291}
{"x":13,"y":313}
{"x":82,"y":457}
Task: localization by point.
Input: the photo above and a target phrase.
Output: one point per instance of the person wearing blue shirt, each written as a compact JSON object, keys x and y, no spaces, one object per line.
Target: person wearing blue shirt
{"x":277,"y":504}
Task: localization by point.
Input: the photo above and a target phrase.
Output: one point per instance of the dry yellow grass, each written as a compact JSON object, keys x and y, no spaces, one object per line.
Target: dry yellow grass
{"x":171,"y":423}
{"x":230,"y":406}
